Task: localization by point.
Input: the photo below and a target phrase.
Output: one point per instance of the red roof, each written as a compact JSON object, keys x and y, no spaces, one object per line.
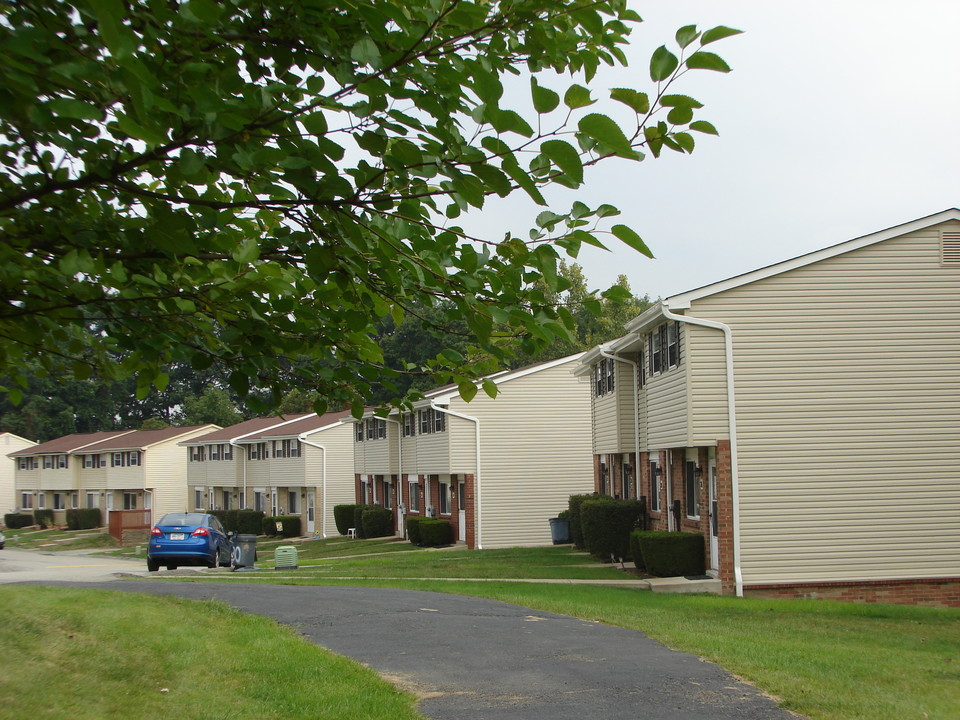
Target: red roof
{"x":70,"y":443}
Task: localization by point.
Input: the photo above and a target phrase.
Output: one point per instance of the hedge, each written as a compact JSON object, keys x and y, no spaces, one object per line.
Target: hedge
{"x":43,"y":518}
{"x":413,"y":529}
{"x":343,"y":517}
{"x":289,"y":523}
{"x":670,"y":554}
{"x":434,"y":532}
{"x":358,"y":519}
{"x":84,"y":519}
{"x":14,"y":521}
{"x":246,"y":522}
{"x":576,"y":532}
{"x":606,"y":524}
{"x":377,"y":522}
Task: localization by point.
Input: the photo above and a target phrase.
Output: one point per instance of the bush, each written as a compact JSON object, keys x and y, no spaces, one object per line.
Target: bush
{"x":413,"y":529}
{"x":670,"y":554}
{"x":358,"y":519}
{"x":84,"y":519}
{"x":377,"y":522}
{"x":576,"y":531}
{"x":606,"y":524}
{"x":343,"y":517}
{"x":14,"y":521}
{"x":290,"y":525}
{"x":43,"y":518}
{"x":248,"y":522}
{"x":435,"y":532}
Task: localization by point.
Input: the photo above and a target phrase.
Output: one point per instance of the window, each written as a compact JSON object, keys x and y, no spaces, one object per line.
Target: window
{"x":692,"y":490}
{"x":439,"y":421}
{"x":604,"y":376}
{"x":260,"y":501}
{"x":414,"y":496}
{"x":227,"y":452}
{"x":426,"y":421}
{"x":27,"y":463}
{"x":258,"y":451}
{"x":444,"y":499}
{"x":41,"y":500}
{"x":663,"y":348}
{"x":26,"y":501}
{"x":47,"y":462}
{"x":59,"y":501}
{"x":225,"y":504}
{"x":461,"y":496}
{"x":293,"y":501}
{"x":197,"y":454}
{"x":363,"y":492}
{"x":129,"y":501}
{"x":133,"y":458}
{"x":359,"y":436}
{"x":654,"y":486}
{"x":198,"y":499}
{"x":294,"y":450}
{"x":409,"y":424}
{"x":286,"y":448}
{"x":387,"y":495}
{"x":604,"y":476}
{"x":74,"y":500}
{"x":92,"y":501}
{"x":215,"y":451}
{"x":116,"y":460}
{"x":376,"y":429}
{"x":90,"y":461}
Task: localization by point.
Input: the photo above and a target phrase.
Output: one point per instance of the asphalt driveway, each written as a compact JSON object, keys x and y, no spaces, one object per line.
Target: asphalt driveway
{"x":476,"y":659}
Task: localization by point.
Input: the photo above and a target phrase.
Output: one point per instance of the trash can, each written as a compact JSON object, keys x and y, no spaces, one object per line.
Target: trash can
{"x":244,"y":553}
{"x":285,"y":557}
{"x":560,"y":530}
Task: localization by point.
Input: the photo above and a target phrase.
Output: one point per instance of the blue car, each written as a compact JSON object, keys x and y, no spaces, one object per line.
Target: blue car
{"x":187,"y":539}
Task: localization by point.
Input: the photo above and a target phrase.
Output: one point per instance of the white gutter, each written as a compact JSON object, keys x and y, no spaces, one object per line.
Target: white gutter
{"x":476,"y":477}
{"x":233,"y":442}
{"x":732,"y":424}
{"x":636,"y":412}
{"x":323,"y":506}
{"x":398,"y":491}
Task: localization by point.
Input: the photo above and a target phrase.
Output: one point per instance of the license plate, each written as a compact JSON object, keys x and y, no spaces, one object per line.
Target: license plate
{"x":177,"y":536}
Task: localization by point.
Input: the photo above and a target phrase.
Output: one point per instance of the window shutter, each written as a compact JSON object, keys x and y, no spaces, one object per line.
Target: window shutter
{"x":950,"y":247}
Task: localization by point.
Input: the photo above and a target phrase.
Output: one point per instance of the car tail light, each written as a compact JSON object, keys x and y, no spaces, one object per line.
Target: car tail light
{"x":201,"y":531}
{"x":155,"y":531}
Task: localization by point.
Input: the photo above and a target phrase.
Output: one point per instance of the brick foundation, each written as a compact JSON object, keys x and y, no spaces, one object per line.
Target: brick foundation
{"x":930,"y":593}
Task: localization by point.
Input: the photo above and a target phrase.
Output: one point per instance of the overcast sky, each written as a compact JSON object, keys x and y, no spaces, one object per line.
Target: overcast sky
{"x":840,"y":118}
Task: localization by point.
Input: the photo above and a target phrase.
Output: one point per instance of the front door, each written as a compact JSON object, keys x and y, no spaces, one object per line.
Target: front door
{"x":311,"y":511}
{"x":714,"y":519}
{"x":462,"y":504}
{"x":109,"y":504}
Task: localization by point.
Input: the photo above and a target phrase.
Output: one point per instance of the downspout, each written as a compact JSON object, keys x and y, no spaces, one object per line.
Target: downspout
{"x":636,"y":412}
{"x":476,"y":477}
{"x":398,"y":496}
{"x":241,"y":450}
{"x":323,"y":506}
{"x":732,"y":424}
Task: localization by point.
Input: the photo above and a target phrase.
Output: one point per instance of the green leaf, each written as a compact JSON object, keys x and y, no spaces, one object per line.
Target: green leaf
{"x":203,"y":11}
{"x":662,"y":64}
{"x":687,"y":35}
{"x":467,"y":390}
{"x":544,"y":99}
{"x":604,"y":130}
{"x":490,"y":388}
{"x":577,"y":96}
{"x":704,"y":127}
{"x":133,"y":129}
{"x":718,"y":33}
{"x":366,"y":52}
{"x":77,"y":109}
{"x":314,"y":123}
{"x":564,"y":156}
{"x":630,"y":238}
{"x":637,"y":101}
{"x":707,"y":61}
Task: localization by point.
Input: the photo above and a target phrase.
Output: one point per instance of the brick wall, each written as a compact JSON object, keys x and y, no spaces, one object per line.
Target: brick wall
{"x":931,"y":593}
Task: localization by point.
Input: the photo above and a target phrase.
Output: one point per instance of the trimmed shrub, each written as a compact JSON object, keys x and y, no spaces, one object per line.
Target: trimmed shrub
{"x":576,"y":531}
{"x":15,"y":521}
{"x":413,"y":529}
{"x":358,"y":519}
{"x":606,"y":524}
{"x":343,"y":517}
{"x":377,"y":522}
{"x":290,"y":525}
{"x":435,"y":532}
{"x":84,"y":519}
{"x":248,"y":522}
{"x":43,"y":518}
{"x":671,"y":554}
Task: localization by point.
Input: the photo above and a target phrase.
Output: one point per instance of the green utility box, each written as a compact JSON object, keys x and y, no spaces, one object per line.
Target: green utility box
{"x":286,"y":557}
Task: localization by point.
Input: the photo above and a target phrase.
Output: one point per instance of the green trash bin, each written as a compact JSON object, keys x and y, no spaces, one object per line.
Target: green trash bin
{"x":244,"y":553}
{"x":285,"y":557}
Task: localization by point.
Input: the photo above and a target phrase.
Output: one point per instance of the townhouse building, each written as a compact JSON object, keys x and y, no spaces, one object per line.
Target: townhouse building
{"x":803,"y":417}
{"x":496,"y":468}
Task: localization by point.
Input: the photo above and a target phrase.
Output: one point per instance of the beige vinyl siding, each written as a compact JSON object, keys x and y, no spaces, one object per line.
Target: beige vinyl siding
{"x":286,"y":472}
{"x":536,"y":452}
{"x":408,"y":452}
{"x":606,"y":423}
{"x":463,"y":440}
{"x":9,"y":474}
{"x":706,"y":360}
{"x":433,"y":452}
{"x":338,"y":441}
{"x":847,"y":380}
{"x":666,"y":406}
{"x":163,"y":470}
{"x":613,"y":428}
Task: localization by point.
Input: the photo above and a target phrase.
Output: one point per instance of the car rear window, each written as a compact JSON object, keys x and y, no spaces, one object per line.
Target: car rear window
{"x":182,"y":519}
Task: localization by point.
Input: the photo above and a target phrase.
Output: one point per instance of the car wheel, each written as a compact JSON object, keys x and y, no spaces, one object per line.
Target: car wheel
{"x":171,"y":567}
{"x":152,"y":565}
{"x":215,"y":563}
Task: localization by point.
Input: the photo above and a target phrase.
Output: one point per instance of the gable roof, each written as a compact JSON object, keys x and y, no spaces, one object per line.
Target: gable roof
{"x":308,"y":424}
{"x":444,"y":394}
{"x":142,"y":439}
{"x":683,"y":300}
{"x":70,"y":443}
{"x":244,"y":429}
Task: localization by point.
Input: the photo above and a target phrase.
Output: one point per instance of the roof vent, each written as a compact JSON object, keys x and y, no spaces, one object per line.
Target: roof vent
{"x":950,"y":247}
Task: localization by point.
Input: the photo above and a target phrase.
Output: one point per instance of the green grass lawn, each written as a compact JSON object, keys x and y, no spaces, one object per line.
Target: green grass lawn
{"x":92,"y":654}
{"x":55,"y":540}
